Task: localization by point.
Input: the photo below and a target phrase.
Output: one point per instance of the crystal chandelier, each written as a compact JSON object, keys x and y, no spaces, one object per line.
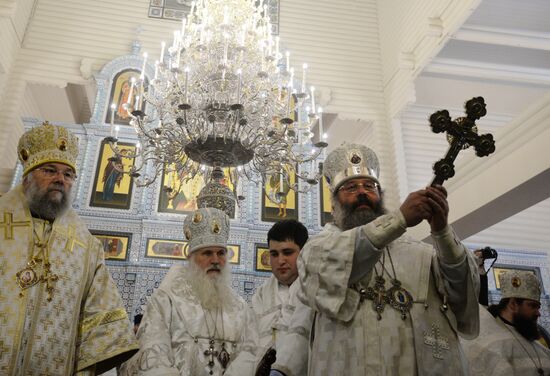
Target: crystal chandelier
{"x":224,"y":99}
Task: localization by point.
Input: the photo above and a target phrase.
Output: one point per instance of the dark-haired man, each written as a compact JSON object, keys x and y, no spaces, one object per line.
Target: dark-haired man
{"x":507,"y":342}
{"x":275,"y":301}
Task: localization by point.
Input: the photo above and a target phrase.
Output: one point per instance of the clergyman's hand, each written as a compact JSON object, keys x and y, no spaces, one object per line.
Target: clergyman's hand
{"x":426,"y":204}
{"x":437,"y":199}
{"x":416,"y":208}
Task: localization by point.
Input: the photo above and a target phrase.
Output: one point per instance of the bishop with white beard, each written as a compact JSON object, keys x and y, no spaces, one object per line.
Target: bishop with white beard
{"x":194,"y":323}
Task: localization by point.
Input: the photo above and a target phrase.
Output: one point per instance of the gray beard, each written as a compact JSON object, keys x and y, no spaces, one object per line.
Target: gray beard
{"x":347,"y":217}
{"x":43,"y":206}
{"x":212,"y":291}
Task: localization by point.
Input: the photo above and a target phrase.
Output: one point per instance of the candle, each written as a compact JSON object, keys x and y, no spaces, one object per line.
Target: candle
{"x":186,"y":84}
{"x":289,"y":95}
{"x":175,"y":41}
{"x":320,"y":111}
{"x":156,"y":69}
{"x":138,"y":146}
{"x":304,"y":68}
{"x":183,"y":24}
{"x":142,"y":75}
{"x":225,"y":15}
{"x":133,"y":81}
{"x":113,"y":108}
{"x":239,"y":83}
{"x":162,"y":47}
{"x":281,"y":182}
{"x":312,"y":89}
{"x":117,"y":128}
{"x":287,"y":61}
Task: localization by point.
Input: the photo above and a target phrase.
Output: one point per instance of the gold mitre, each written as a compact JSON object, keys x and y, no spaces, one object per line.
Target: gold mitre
{"x":520,"y":284}
{"x":47,"y":143}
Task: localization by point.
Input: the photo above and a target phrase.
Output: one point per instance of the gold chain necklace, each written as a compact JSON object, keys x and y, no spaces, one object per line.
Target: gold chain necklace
{"x":540,"y":371}
{"x":28,"y":276}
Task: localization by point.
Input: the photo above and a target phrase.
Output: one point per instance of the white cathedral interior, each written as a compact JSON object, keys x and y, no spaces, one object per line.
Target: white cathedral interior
{"x":380,"y":68}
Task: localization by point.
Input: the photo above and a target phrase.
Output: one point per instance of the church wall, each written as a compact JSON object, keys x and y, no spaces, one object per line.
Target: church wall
{"x":341,"y":43}
{"x":411,"y":33}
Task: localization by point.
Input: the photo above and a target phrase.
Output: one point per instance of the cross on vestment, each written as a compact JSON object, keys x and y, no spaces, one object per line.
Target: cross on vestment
{"x":461,"y":134}
{"x":8,"y":224}
{"x":436,"y":341}
{"x":72,"y":240}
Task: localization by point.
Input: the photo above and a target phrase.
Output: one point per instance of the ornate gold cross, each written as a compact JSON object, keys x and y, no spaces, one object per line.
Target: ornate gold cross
{"x":9,"y":224}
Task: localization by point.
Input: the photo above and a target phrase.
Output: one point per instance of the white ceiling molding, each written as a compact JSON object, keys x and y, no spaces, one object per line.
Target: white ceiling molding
{"x":503,"y":37}
{"x":489,"y":71}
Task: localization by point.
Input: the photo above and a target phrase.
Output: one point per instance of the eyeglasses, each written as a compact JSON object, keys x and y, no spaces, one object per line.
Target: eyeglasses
{"x":50,"y":172}
{"x":353,"y":187}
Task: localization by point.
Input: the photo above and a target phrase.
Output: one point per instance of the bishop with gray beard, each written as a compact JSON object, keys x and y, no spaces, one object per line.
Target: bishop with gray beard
{"x":195,"y":324}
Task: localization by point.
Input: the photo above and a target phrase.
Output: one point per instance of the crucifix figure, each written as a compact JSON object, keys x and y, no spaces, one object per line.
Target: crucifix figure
{"x":461,"y":134}
{"x":211,"y":352}
{"x":378,"y":296}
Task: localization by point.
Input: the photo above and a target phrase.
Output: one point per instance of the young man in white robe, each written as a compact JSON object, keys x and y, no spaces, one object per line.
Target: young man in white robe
{"x":60,"y":311}
{"x":275,"y":301}
{"x":507,"y":342}
{"x":195,"y":324}
{"x":385,"y":304}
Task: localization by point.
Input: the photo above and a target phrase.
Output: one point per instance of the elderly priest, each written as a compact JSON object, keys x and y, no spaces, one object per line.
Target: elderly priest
{"x":195,"y":324}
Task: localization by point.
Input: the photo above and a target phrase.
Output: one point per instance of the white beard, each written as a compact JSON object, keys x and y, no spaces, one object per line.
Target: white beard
{"x":212,"y":290}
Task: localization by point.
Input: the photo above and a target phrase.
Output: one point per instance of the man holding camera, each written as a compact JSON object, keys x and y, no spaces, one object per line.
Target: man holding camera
{"x":507,"y":342}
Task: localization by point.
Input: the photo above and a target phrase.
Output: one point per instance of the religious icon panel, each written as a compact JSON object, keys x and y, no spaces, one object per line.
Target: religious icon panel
{"x":165,"y":248}
{"x":123,"y":97}
{"x":262,"y":262}
{"x":115,"y":245}
{"x":278,"y":200}
{"x":326,"y":205}
{"x":112,"y":188}
{"x":176,"y":249}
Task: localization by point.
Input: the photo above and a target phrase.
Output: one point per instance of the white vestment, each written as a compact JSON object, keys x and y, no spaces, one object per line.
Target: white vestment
{"x":175,"y":337}
{"x":335,"y":270}
{"x":274,"y":305}
{"x":501,"y":350}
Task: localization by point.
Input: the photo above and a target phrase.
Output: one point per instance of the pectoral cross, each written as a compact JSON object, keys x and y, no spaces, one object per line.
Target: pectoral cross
{"x":461,"y":134}
{"x":436,"y":341}
{"x":378,"y":296}
{"x":9,"y":224}
{"x":212,"y":353}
